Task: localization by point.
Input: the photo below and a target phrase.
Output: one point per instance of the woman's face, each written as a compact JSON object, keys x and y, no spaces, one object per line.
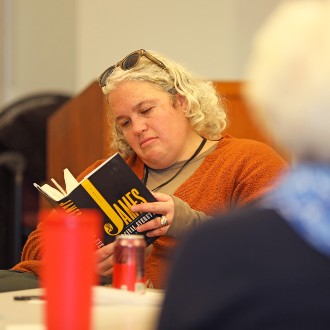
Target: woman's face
{"x":155,"y":128}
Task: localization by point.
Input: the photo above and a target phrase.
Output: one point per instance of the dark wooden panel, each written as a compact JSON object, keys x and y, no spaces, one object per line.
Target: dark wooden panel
{"x":77,"y":134}
{"x":241,"y":123}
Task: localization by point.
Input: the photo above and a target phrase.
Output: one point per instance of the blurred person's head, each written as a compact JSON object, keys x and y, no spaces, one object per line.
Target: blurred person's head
{"x":288,"y":79}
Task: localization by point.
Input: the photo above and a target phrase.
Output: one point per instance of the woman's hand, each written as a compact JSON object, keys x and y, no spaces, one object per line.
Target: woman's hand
{"x":165,"y":207}
{"x":105,"y":259}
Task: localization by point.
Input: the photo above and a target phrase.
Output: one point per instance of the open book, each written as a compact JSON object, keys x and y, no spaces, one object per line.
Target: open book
{"x":112,"y":188}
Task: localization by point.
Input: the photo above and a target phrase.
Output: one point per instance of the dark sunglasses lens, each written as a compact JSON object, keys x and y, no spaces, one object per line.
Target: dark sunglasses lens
{"x":130,"y":61}
{"x":106,"y":74}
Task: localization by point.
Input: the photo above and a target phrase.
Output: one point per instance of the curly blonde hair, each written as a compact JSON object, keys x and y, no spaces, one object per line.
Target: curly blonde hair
{"x":205,"y":110}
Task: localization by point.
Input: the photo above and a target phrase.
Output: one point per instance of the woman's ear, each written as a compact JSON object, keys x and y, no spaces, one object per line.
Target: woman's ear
{"x":180,"y":102}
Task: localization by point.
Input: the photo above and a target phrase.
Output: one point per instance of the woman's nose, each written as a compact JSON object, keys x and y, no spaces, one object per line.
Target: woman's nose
{"x":139,"y":125}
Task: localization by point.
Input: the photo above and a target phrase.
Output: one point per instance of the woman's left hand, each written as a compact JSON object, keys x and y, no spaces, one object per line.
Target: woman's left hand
{"x":164,"y":206}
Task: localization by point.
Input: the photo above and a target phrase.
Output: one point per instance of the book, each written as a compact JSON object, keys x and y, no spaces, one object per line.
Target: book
{"x":112,"y":188}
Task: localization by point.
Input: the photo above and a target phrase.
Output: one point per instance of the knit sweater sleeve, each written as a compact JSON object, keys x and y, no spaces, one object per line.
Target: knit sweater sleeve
{"x":238,"y":173}
{"x":32,"y":253}
{"x":258,"y":168}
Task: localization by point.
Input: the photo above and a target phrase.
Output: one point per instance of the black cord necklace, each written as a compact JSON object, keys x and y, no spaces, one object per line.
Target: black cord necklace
{"x":146,"y":168}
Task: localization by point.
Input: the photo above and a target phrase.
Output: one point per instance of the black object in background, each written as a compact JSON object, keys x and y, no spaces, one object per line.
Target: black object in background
{"x":23,"y":134}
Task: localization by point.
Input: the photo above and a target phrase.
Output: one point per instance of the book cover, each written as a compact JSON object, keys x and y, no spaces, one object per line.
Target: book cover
{"x":112,"y":188}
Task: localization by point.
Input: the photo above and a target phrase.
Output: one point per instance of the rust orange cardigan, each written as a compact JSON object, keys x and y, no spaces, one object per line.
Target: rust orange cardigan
{"x":236,"y":173}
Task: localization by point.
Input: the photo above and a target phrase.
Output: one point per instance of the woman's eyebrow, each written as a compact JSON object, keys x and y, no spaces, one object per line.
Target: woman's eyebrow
{"x":136,"y":107}
{"x":142,"y":104}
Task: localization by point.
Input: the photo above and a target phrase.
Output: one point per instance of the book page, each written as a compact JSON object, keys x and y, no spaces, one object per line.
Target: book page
{"x":50,"y":191}
{"x":59,"y":193}
{"x":70,"y":181}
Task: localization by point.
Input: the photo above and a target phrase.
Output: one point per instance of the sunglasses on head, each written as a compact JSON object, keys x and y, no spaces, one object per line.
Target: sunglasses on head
{"x":129,"y":62}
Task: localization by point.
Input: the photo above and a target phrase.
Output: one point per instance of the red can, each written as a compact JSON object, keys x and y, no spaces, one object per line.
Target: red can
{"x":129,"y":263}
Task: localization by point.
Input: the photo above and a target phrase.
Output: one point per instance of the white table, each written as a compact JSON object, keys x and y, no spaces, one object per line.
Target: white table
{"x":112,"y":309}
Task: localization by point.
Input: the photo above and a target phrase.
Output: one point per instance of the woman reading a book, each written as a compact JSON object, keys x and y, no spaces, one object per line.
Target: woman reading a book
{"x":168,"y":125}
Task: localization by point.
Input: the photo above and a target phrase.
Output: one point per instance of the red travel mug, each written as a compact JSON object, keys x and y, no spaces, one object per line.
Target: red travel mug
{"x":68,"y":270}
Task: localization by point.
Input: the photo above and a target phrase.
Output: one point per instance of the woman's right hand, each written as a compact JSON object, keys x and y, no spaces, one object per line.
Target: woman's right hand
{"x":105,"y":259}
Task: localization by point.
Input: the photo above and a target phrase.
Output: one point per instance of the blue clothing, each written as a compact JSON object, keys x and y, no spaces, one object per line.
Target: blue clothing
{"x":303,"y":199}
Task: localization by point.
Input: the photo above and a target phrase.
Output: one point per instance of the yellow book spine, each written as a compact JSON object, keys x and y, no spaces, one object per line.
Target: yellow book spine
{"x":104,"y":206}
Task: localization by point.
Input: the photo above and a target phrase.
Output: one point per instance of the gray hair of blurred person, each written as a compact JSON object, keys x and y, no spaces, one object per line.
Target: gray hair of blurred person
{"x":205,"y":110}
{"x":288,"y":79}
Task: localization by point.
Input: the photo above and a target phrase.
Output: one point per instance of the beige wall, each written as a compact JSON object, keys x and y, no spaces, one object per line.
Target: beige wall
{"x":63,"y":45}
{"x":211,"y":37}
{"x":39,"y":47}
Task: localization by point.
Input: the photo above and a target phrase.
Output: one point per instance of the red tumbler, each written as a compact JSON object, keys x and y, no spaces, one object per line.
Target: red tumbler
{"x":68,"y":270}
